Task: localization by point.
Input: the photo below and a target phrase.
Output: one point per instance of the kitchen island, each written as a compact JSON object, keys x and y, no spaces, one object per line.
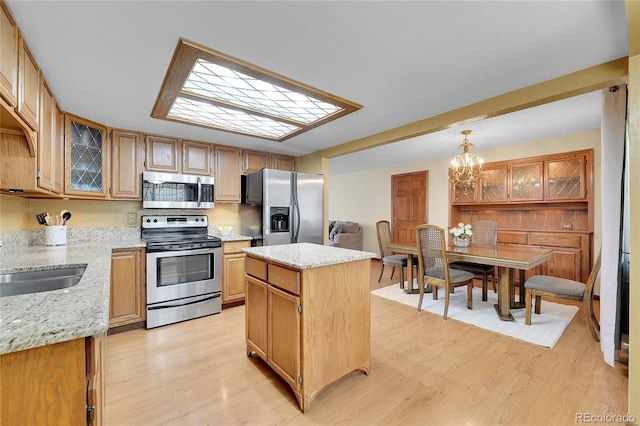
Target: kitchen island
{"x":308,"y":313}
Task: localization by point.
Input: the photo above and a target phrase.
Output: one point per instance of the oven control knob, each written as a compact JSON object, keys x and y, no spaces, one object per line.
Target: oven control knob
{"x":148,"y":220}
{"x":197,"y":220}
{"x":155,"y":220}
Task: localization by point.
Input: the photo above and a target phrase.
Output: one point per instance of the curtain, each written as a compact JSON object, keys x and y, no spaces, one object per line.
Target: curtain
{"x":612,"y":159}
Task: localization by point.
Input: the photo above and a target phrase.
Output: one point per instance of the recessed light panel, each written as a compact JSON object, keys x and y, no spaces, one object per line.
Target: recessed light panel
{"x":207,"y":88}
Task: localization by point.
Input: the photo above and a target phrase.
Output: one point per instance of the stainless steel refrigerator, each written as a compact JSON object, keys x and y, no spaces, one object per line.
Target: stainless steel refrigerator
{"x":280,"y":207}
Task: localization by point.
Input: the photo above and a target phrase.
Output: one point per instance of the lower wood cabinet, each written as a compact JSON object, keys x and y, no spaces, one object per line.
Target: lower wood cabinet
{"x":128,"y":296}
{"x":571,"y":252}
{"x":233,"y":282}
{"x":57,"y":384}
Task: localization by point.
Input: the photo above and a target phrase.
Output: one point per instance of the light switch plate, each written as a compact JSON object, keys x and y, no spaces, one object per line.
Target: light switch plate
{"x":132,"y":218}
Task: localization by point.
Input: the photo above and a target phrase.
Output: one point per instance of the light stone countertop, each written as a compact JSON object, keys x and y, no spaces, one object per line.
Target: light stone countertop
{"x":307,"y":255}
{"x":38,"y":319}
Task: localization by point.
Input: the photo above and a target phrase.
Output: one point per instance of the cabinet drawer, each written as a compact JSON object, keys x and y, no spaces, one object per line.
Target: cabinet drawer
{"x":234,"y":246}
{"x":284,"y":278}
{"x":508,"y":237}
{"x":256,"y":268}
{"x":555,"y":240}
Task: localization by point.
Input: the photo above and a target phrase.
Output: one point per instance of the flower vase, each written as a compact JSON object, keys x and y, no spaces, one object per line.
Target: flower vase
{"x":460,"y":242}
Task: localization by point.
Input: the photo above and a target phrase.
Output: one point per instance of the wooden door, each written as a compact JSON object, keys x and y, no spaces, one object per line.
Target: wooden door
{"x":8,"y":57}
{"x":283,"y":162}
{"x":233,"y":285}
{"x":126,"y":165}
{"x":28,"y":87}
{"x":409,"y":198}
{"x":47,"y":140}
{"x":227,"y":174}
{"x":163,"y":154}
{"x":196,"y":158}
{"x":256,"y":316}
{"x":127,"y":302}
{"x":284,"y":335}
{"x":252,"y":161}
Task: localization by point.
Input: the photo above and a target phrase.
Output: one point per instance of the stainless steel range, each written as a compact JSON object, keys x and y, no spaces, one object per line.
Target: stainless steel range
{"x":184,"y":267}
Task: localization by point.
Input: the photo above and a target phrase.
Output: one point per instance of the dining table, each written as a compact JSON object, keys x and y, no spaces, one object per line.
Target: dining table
{"x":507,"y":258}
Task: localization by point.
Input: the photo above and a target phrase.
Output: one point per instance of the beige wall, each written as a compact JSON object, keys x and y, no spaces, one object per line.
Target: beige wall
{"x":365,"y":196}
{"x":17,"y":214}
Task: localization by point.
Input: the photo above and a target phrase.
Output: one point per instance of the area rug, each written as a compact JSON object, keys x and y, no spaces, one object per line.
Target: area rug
{"x":545,"y":329}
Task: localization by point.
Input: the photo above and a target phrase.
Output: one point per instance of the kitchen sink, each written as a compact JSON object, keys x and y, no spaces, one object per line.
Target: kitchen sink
{"x":16,"y":283}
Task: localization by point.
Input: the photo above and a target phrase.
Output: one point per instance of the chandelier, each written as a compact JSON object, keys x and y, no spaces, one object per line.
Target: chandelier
{"x":466,"y":167}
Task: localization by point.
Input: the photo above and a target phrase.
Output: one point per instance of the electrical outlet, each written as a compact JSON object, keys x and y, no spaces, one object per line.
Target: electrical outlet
{"x":132,"y":218}
{"x":566,"y":226}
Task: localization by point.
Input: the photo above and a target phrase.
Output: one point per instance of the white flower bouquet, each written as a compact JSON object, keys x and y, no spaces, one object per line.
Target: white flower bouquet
{"x":462,"y":231}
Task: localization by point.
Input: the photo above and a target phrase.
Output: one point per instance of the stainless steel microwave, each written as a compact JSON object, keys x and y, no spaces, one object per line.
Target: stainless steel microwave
{"x":176,"y":191}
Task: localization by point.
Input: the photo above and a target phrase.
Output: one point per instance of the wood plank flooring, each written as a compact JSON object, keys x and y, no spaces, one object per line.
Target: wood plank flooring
{"x":424,"y":370}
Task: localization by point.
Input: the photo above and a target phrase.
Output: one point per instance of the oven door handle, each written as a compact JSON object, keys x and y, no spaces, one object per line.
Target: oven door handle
{"x":215,"y":296}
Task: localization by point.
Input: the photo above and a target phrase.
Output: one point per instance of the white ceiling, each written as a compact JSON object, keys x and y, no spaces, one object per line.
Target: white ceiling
{"x":402,"y":60}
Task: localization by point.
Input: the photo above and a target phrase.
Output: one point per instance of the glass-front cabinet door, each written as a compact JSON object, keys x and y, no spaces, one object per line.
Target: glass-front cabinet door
{"x":493,"y":185}
{"x":85,"y":158}
{"x":526,"y":182}
{"x":565,"y":179}
{"x":464,"y":194}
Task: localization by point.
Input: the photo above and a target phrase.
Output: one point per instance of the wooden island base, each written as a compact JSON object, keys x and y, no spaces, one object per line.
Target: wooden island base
{"x":311,"y":326}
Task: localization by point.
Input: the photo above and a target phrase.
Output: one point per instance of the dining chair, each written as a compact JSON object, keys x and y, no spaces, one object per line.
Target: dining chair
{"x":562,"y":288}
{"x":383,"y":228}
{"x":484,"y":232}
{"x":433,"y":268}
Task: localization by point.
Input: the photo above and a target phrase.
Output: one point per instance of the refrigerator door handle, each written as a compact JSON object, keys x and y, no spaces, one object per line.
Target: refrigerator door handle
{"x":296,"y":208}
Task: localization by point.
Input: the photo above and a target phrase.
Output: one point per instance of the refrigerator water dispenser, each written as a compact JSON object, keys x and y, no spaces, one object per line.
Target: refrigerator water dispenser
{"x":279,"y":219}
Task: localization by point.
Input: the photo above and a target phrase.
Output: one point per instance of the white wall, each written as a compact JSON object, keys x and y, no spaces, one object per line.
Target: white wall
{"x":365,"y":196}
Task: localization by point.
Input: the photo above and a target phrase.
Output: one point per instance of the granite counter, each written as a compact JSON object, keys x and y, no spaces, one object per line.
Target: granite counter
{"x":37,"y":319}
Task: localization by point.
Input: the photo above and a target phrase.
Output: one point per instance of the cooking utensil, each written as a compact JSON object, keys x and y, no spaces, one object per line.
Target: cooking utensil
{"x":66,"y":215}
{"x":47,"y":219}
{"x":40,"y":218}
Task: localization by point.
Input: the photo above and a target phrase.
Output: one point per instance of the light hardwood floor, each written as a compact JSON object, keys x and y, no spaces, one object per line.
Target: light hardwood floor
{"x":424,"y":370}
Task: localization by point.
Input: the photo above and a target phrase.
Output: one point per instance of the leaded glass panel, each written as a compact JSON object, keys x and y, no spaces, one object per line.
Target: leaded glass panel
{"x":86,"y":158}
{"x":526,"y":181}
{"x":565,"y":178}
{"x":462,"y":194}
{"x":494,"y":185}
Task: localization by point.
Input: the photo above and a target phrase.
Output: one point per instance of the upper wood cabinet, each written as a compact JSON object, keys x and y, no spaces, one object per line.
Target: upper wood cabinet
{"x":127,"y":157}
{"x":28,"y":86}
{"x":227,"y":174}
{"x":566,"y":178}
{"x":283,"y":162}
{"x":86,"y":158}
{"x":49,"y":160}
{"x":196,"y":158}
{"x":8,"y":57}
{"x":525,"y":182}
{"x":464,"y":195}
{"x":59,"y":171}
{"x":493,"y":185}
{"x":554,"y":178}
{"x":252,"y":161}
{"x":163,"y":154}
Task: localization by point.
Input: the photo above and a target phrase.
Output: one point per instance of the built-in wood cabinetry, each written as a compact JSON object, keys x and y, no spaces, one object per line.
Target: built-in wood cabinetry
{"x":163,"y":154}
{"x":233,"y":281}
{"x":196,"y":158}
{"x":37,"y":174}
{"x":227,"y":174}
{"x":283,"y":162}
{"x":308,"y":325}
{"x":127,"y":158}
{"x":178,"y":156}
{"x":86,"y":158}
{"x":127,"y":297}
{"x":9,"y":37}
{"x":252,"y":161}
{"x":544,"y":201}
{"x":28,"y":86}
{"x":54,"y":384}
